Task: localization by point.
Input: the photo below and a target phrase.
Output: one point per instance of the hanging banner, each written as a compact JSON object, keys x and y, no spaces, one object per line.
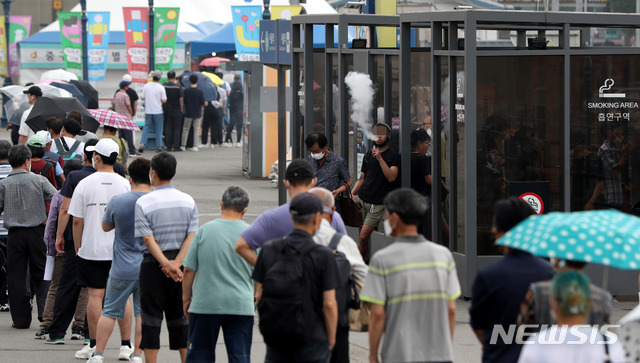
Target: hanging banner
{"x":165,"y":26}
{"x":98,"y":44}
{"x":3,"y":49}
{"x":246,"y":25}
{"x":285,"y":12}
{"x":18,"y":30}
{"x":71,"y":40}
{"x":136,"y":25}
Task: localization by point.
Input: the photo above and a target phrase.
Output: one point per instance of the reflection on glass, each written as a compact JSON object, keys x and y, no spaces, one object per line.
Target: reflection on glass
{"x":519,"y":108}
{"x":319,"y":112}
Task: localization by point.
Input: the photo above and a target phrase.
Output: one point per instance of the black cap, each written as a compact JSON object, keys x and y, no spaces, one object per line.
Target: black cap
{"x":33,"y":90}
{"x":304,"y":204}
{"x":299,"y":169}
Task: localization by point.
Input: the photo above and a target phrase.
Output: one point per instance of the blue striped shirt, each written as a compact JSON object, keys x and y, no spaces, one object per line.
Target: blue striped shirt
{"x":168,"y":215}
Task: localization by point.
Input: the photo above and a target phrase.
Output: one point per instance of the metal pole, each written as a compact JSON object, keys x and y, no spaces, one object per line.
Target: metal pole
{"x":282,"y":133}
{"x":152,"y":53}
{"x":7,"y":80}
{"x":266,"y":13}
{"x":85,"y":51}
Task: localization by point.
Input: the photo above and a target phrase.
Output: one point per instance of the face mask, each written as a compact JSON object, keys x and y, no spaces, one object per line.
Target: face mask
{"x":150,"y":181}
{"x":387,"y":227}
{"x":93,"y":162}
{"x":317,"y":156}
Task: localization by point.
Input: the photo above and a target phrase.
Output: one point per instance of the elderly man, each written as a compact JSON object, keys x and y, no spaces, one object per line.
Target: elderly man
{"x":22,"y":198}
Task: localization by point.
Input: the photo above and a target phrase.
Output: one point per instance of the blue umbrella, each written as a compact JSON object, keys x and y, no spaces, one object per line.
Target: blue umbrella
{"x":204,"y":83}
{"x":75,"y":92}
{"x":606,"y":237}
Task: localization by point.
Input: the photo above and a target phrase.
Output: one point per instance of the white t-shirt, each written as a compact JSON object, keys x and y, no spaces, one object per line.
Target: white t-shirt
{"x":153,"y":93}
{"x":569,"y":349}
{"x":70,"y":141}
{"x":90,"y":198}
{"x":24,"y":129}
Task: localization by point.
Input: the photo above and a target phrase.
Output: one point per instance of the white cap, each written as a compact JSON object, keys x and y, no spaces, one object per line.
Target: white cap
{"x":105,"y":147}
{"x":45,"y":135}
{"x":126,"y":77}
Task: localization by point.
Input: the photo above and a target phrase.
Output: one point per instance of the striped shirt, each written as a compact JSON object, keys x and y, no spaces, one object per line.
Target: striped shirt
{"x":168,"y":215}
{"x":22,"y":197}
{"x":414,"y":280}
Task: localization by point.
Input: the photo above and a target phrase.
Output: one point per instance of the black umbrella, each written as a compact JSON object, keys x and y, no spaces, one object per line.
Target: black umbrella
{"x":75,"y":92}
{"x":88,"y":91}
{"x":46,"y":107}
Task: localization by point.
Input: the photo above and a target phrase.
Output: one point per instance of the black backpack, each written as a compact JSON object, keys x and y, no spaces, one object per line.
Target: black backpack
{"x":67,"y":152}
{"x":287,"y":314}
{"x":347,"y":295}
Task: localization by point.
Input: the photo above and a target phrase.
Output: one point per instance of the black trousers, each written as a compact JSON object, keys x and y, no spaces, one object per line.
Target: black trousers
{"x":340,"y":352}
{"x":212,"y":119}
{"x":235,"y":121}
{"x":172,"y":128}
{"x":68,"y":292}
{"x":25,"y":248}
{"x":128,"y":136}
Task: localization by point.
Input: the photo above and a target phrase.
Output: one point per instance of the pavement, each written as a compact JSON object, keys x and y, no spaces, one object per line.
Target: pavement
{"x":205,"y":175}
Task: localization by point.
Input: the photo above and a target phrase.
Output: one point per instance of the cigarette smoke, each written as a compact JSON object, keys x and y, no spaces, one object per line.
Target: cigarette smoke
{"x":362,"y":91}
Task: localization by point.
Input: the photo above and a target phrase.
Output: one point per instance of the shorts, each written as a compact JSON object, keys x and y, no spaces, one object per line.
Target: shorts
{"x":372,"y":214}
{"x":116,"y":296}
{"x":93,"y":274}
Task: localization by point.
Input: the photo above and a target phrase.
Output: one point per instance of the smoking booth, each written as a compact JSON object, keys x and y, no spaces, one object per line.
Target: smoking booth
{"x":518,"y":103}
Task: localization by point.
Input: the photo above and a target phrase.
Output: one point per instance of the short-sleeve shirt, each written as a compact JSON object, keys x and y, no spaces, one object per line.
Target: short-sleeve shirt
{"x":193,"y":102}
{"x":121,"y":102}
{"x":168,"y":215}
{"x":69,"y":141}
{"x":89,"y":201}
{"x":24,"y":129}
{"x":223,"y":285}
{"x":414,"y":280}
{"x":277,"y":223}
{"x":376,"y":186}
{"x":321,"y":272}
{"x":153,"y":94}
{"x":127,"y":250}
{"x":174,"y":94}
{"x":420,"y":168}
{"x":332,"y":173}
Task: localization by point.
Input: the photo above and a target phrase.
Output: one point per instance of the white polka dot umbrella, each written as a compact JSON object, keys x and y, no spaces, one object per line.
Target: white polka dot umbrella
{"x":606,"y":237}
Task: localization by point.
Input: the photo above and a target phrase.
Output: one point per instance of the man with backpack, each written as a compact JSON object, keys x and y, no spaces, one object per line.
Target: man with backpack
{"x":39,"y":166}
{"x":351,"y":268}
{"x":53,"y":158}
{"x":66,"y":145}
{"x":296,"y":282}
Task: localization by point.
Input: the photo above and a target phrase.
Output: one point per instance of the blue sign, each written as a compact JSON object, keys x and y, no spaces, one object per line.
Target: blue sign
{"x":268,"y":38}
{"x":284,"y":42}
{"x":246,"y":23}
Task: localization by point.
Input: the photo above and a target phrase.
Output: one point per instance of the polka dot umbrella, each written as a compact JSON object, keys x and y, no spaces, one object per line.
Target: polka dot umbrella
{"x":606,"y":237}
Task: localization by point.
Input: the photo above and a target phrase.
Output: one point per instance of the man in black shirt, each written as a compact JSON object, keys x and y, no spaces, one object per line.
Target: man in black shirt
{"x":378,"y":174}
{"x":173,"y":112}
{"x":320,"y":282}
{"x":193,"y":103}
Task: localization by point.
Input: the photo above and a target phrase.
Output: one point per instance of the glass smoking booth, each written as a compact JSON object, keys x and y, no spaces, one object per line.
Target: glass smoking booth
{"x":522,"y":101}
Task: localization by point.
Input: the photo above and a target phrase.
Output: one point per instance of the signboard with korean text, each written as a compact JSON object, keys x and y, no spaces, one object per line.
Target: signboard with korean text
{"x":3,"y":50}
{"x":284,"y":42}
{"x":136,"y":26}
{"x":71,"y":40}
{"x":246,"y":25}
{"x":97,"y":44}
{"x":18,"y":30}
{"x":268,"y":45}
{"x":165,"y":26}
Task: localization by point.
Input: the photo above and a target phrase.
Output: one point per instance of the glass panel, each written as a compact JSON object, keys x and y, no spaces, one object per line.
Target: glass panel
{"x":460,"y":175}
{"x":319,"y":113}
{"x":519,"y":125}
{"x":420,"y":89}
{"x":605,"y":94}
{"x":445,"y":128}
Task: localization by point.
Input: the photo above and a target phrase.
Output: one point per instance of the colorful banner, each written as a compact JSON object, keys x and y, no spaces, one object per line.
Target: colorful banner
{"x":18,"y":30}
{"x":3,"y":49}
{"x":165,"y":26}
{"x":285,"y":12}
{"x":246,"y":25}
{"x":97,"y":44}
{"x":71,"y":38}
{"x":136,"y":25}
{"x":387,"y":36}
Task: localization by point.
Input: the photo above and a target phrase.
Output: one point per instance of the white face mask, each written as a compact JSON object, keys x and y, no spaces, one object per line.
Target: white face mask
{"x":93,"y":162}
{"x":318,"y":156}
{"x":387,"y":227}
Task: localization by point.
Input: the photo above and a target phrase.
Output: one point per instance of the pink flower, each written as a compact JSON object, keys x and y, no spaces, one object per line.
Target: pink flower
{"x":251,"y":27}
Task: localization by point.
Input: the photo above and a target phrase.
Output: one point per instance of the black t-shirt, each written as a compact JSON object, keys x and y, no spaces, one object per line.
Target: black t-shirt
{"x":174,"y":94}
{"x":420,"y":167}
{"x":376,"y":186}
{"x":193,"y":102}
{"x":321,"y":272}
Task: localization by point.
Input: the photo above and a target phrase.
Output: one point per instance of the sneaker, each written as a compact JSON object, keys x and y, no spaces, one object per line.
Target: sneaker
{"x":182,"y":148}
{"x":50,"y":340}
{"x":125,"y":352}
{"x":85,"y":352}
{"x":42,"y":334}
{"x":238,"y":144}
{"x":136,"y":359}
{"x":77,"y":333}
{"x":133,"y":155}
{"x":96,"y":359}
{"x":202,"y":146}
{"x":5,"y":307}
{"x":228,"y":144}
{"x":195,"y":148}
{"x":141,"y":149}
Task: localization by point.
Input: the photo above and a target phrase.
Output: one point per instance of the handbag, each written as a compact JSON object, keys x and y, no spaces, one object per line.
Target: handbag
{"x":350,"y":209}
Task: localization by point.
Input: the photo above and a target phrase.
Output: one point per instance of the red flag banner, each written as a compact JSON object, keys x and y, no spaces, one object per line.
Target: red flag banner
{"x":136,"y":25}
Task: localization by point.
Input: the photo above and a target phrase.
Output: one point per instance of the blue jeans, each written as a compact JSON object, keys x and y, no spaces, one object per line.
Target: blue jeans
{"x":203,"y":336}
{"x":157,"y":123}
{"x":315,"y":350}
